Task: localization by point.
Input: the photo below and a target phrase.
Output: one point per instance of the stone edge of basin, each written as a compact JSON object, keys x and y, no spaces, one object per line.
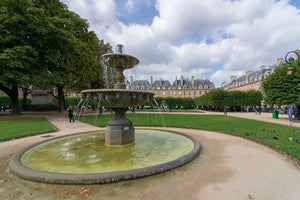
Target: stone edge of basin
{"x":17,"y":168}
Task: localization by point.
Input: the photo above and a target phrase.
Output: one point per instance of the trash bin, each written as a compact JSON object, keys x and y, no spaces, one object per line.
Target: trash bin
{"x":275,"y":114}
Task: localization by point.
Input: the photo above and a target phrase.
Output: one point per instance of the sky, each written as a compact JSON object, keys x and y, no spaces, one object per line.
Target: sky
{"x":207,"y":39}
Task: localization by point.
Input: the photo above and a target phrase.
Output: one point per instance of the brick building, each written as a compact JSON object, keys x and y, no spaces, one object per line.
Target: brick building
{"x":179,"y":88}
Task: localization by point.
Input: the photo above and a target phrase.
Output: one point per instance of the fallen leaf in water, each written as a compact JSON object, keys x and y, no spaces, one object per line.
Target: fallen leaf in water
{"x":36,"y":189}
{"x":147,"y":154}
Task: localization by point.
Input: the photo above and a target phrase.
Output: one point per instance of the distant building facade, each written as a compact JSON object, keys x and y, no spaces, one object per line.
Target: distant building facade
{"x":179,"y":88}
{"x":252,"y":80}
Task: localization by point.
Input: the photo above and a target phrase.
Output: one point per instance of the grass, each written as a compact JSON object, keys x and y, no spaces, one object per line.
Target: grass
{"x":167,"y":110}
{"x":21,"y":127}
{"x":262,"y":132}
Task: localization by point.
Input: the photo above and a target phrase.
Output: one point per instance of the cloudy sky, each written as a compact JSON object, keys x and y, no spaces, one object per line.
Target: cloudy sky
{"x":207,"y":39}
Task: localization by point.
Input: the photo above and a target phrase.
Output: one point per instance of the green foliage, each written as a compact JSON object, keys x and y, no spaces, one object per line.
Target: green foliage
{"x":280,"y":88}
{"x":44,"y":44}
{"x":70,"y":101}
{"x":5,"y":100}
{"x":220,"y":97}
{"x":21,"y":127}
{"x":187,"y":103}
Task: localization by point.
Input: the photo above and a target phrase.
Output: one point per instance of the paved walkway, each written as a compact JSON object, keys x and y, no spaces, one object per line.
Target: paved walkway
{"x":227,"y":168}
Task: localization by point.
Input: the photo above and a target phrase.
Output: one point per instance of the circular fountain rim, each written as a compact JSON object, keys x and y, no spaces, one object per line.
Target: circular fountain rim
{"x":16,"y":167}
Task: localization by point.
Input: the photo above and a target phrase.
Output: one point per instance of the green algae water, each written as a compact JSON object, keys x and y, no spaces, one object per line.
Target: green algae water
{"x":88,"y":153}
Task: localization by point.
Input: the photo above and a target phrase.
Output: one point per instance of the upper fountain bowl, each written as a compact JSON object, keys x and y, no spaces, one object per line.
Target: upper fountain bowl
{"x":119,"y":60}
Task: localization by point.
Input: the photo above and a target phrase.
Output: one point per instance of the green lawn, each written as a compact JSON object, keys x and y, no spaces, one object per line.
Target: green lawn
{"x":21,"y":127}
{"x":167,"y":110}
{"x":256,"y":130}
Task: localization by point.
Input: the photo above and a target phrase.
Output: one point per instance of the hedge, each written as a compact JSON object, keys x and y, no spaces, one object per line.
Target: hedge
{"x":5,"y":100}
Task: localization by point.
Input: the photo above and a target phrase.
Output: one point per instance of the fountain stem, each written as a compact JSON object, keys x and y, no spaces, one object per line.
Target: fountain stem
{"x":119,"y":130}
{"x":119,"y":78}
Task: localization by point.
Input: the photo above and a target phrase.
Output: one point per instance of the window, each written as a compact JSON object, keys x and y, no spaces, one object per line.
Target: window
{"x":158,"y":93}
{"x":174,"y":93}
{"x":164,"y":93}
{"x":179,"y":92}
{"x":195,"y":93}
{"x":205,"y":92}
{"x":190,"y":93}
{"x":200,"y":92}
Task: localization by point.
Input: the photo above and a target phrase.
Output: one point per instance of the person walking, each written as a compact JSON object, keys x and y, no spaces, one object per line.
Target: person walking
{"x":291,"y":112}
{"x":71,"y":116}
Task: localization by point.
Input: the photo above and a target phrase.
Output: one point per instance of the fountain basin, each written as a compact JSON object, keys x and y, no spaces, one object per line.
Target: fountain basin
{"x":119,"y":60}
{"x":118,"y":98}
{"x":138,"y":160}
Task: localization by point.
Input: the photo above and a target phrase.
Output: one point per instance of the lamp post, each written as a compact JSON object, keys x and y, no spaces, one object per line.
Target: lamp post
{"x":289,"y":60}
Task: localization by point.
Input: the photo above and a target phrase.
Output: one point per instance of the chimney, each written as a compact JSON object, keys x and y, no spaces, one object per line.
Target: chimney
{"x":232,"y":78}
{"x":175,"y":80}
{"x":161,"y":82}
{"x":193,"y":80}
{"x":298,"y":52}
{"x":248,"y":74}
{"x":151,"y":80}
{"x":181,"y":80}
{"x":131,"y":80}
{"x":279,"y":60}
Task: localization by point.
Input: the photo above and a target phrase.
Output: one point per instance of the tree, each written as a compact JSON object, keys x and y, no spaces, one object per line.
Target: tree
{"x":253,"y":98}
{"x":44,"y":44}
{"x":18,"y":57}
{"x":220,"y":97}
{"x":280,"y":88}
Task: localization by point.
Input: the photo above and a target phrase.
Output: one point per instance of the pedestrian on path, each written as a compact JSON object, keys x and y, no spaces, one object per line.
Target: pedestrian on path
{"x":291,"y":112}
{"x":71,"y":116}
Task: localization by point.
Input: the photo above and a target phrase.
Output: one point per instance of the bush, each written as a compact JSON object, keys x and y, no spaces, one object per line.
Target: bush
{"x":70,"y":101}
{"x":5,"y":100}
{"x":187,"y":103}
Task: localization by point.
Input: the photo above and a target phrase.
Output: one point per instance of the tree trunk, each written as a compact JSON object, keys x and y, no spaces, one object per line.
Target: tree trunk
{"x":61,"y":99}
{"x":14,"y":101}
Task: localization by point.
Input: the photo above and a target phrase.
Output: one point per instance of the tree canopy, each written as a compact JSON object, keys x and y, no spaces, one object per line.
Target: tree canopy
{"x":220,"y":97}
{"x":44,"y":44}
{"x":280,"y":88}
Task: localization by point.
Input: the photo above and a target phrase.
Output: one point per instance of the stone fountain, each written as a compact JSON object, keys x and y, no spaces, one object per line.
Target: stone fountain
{"x":90,"y":158}
{"x":120,"y":130}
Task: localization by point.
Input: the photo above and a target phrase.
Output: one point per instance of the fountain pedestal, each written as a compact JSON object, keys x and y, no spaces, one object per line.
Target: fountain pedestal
{"x":120,"y":130}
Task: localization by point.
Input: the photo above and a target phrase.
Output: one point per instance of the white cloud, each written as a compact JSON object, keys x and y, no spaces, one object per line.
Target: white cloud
{"x":208,"y":39}
{"x":130,"y":6}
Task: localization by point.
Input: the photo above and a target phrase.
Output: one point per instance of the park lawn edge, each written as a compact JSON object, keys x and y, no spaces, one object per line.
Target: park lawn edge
{"x":52,"y":129}
{"x":295,"y":159}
